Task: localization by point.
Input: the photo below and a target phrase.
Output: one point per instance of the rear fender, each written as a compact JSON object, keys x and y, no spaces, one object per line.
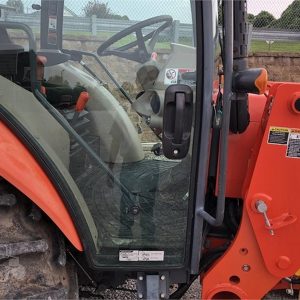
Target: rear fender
{"x":20,"y":168}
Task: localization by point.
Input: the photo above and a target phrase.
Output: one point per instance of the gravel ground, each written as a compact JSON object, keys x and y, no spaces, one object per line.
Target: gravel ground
{"x":192,"y":293}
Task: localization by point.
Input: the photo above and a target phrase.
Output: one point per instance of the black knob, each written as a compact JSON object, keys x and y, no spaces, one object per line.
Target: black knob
{"x":36,"y":7}
{"x":297,"y":105}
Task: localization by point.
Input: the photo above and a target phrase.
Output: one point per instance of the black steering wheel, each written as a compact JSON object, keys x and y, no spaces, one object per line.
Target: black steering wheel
{"x":143,"y":52}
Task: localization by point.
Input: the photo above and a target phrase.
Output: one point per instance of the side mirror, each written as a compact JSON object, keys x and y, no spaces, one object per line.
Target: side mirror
{"x":177,"y":121}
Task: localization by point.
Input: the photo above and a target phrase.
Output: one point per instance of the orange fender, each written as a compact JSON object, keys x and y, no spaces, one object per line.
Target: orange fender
{"x":22,"y":170}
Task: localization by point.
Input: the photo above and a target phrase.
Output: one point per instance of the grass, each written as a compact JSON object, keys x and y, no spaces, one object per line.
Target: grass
{"x":262,"y":46}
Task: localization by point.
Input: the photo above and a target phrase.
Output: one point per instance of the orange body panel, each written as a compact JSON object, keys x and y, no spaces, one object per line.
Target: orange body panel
{"x":222,"y":277}
{"x":240,"y":148}
{"x":275,"y":180}
{"x":21,"y":169}
{"x":271,"y":176}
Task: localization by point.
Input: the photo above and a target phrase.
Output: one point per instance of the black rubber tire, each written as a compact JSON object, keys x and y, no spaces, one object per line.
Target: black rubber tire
{"x":33,"y":275}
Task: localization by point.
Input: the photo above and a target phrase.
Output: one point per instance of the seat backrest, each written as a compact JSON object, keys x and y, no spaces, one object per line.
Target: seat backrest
{"x":8,"y":54}
{"x":5,"y":41}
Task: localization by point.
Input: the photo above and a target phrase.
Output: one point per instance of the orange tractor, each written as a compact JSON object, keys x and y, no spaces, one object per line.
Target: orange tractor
{"x":204,"y":185}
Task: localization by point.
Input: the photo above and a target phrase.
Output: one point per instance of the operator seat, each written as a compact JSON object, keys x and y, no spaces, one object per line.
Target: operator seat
{"x":8,"y":54}
{"x":5,"y":41}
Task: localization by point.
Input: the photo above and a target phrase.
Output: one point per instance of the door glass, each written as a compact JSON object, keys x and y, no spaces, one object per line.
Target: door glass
{"x":138,"y":199}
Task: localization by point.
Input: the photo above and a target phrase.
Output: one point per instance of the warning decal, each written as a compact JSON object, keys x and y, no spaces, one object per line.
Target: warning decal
{"x":278,"y":135}
{"x":136,"y":255}
{"x":171,"y":76}
{"x":52,"y":23}
{"x":293,"y":149}
{"x":176,"y":76}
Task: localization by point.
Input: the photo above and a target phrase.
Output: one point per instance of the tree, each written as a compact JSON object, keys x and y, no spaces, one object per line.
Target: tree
{"x":101,"y":11}
{"x":251,"y":18}
{"x":263,"y":19}
{"x":17,"y":4}
{"x":290,"y":18}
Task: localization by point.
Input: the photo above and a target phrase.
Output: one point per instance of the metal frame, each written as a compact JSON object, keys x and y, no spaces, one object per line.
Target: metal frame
{"x":228,"y":71}
{"x":153,"y":286}
{"x":207,"y":64}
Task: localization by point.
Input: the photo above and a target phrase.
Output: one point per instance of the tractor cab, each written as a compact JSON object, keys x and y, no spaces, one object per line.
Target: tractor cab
{"x":113,"y":126}
{"x":116,"y":132}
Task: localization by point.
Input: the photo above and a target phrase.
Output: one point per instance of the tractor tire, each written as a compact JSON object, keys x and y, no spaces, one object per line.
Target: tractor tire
{"x":33,"y":263}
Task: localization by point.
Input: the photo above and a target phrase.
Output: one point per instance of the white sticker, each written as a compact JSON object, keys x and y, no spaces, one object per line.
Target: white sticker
{"x":176,"y":76}
{"x":151,"y":255}
{"x":52,"y":23}
{"x":128,"y":255}
{"x":171,"y":76}
{"x":135,"y":255}
{"x":293,"y":149}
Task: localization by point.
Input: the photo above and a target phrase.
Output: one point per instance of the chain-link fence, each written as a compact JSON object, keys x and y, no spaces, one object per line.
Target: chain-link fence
{"x":274,"y":22}
{"x":263,"y":14}
{"x":274,"y":14}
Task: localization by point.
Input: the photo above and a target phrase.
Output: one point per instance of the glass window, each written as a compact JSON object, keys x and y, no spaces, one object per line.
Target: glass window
{"x":108,"y":82}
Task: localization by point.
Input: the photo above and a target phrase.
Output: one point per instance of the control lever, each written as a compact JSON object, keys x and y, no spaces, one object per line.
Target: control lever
{"x":80,"y":105}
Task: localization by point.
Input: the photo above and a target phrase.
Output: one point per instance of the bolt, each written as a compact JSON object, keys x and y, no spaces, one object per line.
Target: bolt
{"x":135,"y":210}
{"x":141,"y":278}
{"x":176,"y":152}
{"x":262,"y":208}
{"x":163,"y":277}
{"x":290,"y":292}
{"x":162,"y":296}
{"x":140,"y":295}
{"x":283,"y":262}
{"x":246,"y":268}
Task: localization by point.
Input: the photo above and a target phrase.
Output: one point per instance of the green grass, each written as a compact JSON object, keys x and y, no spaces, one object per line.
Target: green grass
{"x":262,"y":46}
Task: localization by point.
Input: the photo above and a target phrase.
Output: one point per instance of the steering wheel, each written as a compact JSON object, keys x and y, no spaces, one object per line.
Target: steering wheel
{"x":143,"y":52}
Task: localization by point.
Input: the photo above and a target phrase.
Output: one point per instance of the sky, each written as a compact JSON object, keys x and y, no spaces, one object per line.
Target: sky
{"x":275,"y":7}
{"x":178,"y":9}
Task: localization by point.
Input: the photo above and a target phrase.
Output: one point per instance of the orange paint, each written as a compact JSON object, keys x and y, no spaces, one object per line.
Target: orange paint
{"x":277,"y":176}
{"x":267,"y":174}
{"x":82,"y":101}
{"x":228,"y":275}
{"x":262,"y":81}
{"x":21,"y":169}
{"x":240,"y":148}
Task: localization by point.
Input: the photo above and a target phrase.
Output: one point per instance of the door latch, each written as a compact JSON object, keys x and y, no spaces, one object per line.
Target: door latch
{"x":272,"y":224}
{"x":262,"y":208}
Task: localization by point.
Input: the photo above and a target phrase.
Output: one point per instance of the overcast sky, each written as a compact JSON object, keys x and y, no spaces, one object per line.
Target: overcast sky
{"x":178,"y":9}
{"x":276,"y":7}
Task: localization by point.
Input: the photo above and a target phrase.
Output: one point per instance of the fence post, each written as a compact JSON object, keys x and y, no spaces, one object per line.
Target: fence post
{"x":175,"y":29}
{"x":94,"y":25}
{"x":250,"y":35}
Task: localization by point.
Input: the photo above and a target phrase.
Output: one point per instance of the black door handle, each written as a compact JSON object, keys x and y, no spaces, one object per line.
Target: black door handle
{"x":179,"y":117}
{"x":177,"y":121}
